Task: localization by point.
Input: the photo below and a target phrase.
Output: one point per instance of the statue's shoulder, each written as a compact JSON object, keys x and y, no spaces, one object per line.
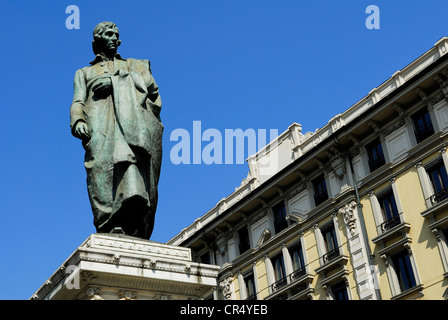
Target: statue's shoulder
{"x":140,"y":64}
{"x":81,"y":71}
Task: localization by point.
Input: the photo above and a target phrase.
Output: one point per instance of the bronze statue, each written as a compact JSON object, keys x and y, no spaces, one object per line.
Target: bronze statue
{"x":116,"y":113}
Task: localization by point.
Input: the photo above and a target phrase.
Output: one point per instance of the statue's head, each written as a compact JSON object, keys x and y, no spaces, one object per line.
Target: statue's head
{"x":105,"y":38}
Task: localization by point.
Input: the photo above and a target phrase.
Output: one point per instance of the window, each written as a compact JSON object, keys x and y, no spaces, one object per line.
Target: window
{"x":331,"y":244}
{"x":297,"y":257}
{"x":403,"y":269}
{"x":439,"y":181}
{"x":243,"y":235}
{"x":205,"y":258}
{"x":298,"y":262}
{"x":249,"y":281}
{"x":280,"y":222}
{"x":423,"y":125}
{"x":279,"y":267}
{"x":279,"y":272}
{"x":389,"y":210}
{"x":445,"y":234}
{"x":339,"y":291}
{"x":375,"y":155}
{"x":320,"y":190}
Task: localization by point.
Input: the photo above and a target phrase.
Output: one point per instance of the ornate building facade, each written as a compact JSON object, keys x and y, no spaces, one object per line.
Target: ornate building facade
{"x":357,"y":210}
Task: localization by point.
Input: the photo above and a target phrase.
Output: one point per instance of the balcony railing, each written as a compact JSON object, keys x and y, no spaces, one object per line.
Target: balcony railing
{"x":330,"y":255}
{"x":439,"y":196}
{"x":279,"y":284}
{"x":390,"y":223}
{"x":295,"y":275}
{"x":252,"y":297}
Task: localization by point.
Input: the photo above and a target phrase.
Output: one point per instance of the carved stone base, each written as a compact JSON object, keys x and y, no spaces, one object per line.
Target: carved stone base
{"x":120,"y":267}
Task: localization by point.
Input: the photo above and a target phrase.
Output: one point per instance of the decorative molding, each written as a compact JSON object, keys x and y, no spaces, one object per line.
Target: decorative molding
{"x":348,"y":213}
{"x":436,"y":233}
{"x":421,"y":94}
{"x":395,"y":127}
{"x":408,"y":247}
{"x":385,"y":260}
{"x":327,"y":290}
{"x":265,"y":235}
{"x":163,"y":297}
{"x":318,"y":163}
{"x":99,"y":241}
{"x":87,"y":276}
{"x":374,"y":126}
{"x":398,"y":108}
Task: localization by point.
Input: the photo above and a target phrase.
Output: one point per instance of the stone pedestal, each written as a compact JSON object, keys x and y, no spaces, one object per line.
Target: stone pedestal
{"x":116,"y":266}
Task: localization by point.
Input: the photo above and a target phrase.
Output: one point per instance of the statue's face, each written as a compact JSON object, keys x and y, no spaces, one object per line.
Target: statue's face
{"x":109,"y":39}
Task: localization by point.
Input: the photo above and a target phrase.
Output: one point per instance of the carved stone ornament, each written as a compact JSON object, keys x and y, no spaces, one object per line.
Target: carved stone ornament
{"x":348,"y":213}
{"x":87,"y":276}
{"x":327,"y":290}
{"x":225,"y":287}
{"x":385,"y":260}
{"x":162,"y":297}
{"x":408,"y":247}
{"x":93,"y":293}
{"x":127,"y":295}
{"x":265,"y":235}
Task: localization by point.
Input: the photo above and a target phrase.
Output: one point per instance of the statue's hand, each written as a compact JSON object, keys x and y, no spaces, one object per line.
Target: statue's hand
{"x":82,"y":131}
{"x":102,"y":87}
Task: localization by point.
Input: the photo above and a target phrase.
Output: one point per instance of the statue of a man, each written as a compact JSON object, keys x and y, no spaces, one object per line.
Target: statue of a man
{"x":116,"y":113}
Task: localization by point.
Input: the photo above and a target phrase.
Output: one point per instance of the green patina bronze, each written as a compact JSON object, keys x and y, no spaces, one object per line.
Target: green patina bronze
{"x":116,"y":113}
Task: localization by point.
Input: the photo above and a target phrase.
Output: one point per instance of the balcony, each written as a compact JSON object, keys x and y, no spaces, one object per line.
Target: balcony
{"x":331,"y":260}
{"x":392,"y":227}
{"x":296,"y":284}
{"x":436,"y":211}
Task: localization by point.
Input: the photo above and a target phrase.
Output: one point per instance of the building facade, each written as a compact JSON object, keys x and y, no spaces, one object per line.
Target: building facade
{"x":357,"y":210}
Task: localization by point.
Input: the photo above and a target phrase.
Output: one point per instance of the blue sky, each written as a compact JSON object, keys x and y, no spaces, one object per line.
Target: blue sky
{"x":251,"y":64}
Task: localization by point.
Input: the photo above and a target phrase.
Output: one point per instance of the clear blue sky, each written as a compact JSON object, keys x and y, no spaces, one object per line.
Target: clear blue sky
{"x":229,"y":64}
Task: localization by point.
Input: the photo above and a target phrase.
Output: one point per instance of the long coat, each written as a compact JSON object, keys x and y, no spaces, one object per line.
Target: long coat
{"x":123,"y":156}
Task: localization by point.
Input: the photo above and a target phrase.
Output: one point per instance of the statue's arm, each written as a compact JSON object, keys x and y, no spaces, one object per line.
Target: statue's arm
{"x":79,"y":100}
{"x":153,"y":94}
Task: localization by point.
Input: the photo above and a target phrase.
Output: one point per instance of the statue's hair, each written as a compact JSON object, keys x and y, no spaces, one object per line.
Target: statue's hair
{"x":97,"y":32}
